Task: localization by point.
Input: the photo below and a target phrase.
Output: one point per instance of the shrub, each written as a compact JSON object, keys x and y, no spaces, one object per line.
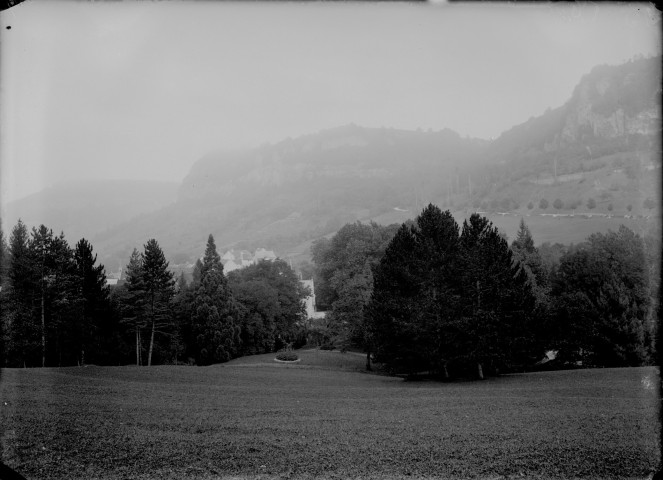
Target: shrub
{"x":287,"y":356}
{"x":530,"y":206}
{"x":327,"y":346}
{"x":591,"y":203}
{"x":558,"y":204}
{"x":543,"y":204}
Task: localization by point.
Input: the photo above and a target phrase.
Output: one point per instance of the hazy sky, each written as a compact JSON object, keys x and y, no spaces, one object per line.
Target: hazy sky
{"x":143,"y":89}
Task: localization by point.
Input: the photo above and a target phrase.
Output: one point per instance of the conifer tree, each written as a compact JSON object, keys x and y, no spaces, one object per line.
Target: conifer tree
{"x":392,"y":311}
{"x":64,"y":304}
{"x":133,"y":308}
{"x":19,"y":323}
{"x":214,"y":318}
{"x":436,"y":258}
{"x":158,"y":284}
{"x":493,"y":326}
{"x":528,"y":255}
{"x":39,"y":249}
{"x":94,"y":297}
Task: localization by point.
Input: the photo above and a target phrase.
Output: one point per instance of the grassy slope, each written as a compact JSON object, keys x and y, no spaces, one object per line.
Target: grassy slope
{"x":260,"y":419}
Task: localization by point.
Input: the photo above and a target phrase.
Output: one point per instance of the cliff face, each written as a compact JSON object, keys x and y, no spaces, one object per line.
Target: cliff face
{"x":344,"y":153}
{"x":614,"y":101}
{"x":609,"y":102}
{"x":615,"y":124}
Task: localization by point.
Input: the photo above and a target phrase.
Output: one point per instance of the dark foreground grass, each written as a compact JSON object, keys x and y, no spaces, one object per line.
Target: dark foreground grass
{"x":269,"y":420}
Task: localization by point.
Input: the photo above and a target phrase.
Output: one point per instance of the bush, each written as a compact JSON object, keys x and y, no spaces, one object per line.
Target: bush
{"x":287,"y":356}
{"x":327,"y":346}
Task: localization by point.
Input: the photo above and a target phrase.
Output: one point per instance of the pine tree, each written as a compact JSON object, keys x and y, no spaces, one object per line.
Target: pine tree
{"x":19,"y":327}
{"x":94,"y":297}
{"x":39,"y":248}
{"x":133,"y":310}
{"x":158,"y":285}
{"x":214,"y":312}
{"x":64,"y":304}
{"x":393,"y":312}
{"x":435,"y":260}
{"x":494,"y":325}
{"x":527,"y":254}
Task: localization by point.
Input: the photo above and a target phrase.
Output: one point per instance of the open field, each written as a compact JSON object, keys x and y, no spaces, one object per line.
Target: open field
{"x":322,"y":417}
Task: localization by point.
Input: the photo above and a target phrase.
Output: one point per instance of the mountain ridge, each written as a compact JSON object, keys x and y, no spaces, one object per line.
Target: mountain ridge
{"x":286,"y":194}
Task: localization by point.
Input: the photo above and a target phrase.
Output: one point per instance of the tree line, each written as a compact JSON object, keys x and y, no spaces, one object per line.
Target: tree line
{"x":57,"y":309}
{"x":430,"y":296}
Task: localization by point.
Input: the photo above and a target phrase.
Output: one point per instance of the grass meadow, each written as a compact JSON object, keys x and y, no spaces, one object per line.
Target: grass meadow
{"x":324,"y":417}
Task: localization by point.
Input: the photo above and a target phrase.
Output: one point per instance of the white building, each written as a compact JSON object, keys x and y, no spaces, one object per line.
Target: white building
{"x":310,"y":301}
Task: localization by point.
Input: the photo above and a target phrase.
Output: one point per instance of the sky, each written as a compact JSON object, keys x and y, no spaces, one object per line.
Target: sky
{"x":141,"y":90}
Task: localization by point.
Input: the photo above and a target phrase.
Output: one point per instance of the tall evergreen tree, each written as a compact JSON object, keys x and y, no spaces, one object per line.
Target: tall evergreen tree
{"x":494,"y":325}
{"x":214,"y":312}
{"x":159,"y":290}
{"x":65,"y":303}
{"x":530,"y":260}
{"x":19,"y":324}
{"x":94,"y":299}
{"x":133,"y":307}
{"x":435,"y":260}
{"x":40,"y":244}
{"x":393,"y":321}
{"x":528,"y":255}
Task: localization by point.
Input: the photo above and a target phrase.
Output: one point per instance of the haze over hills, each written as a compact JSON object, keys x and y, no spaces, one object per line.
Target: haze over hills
{"x":603,"y":144}
{"x":85,"y":209}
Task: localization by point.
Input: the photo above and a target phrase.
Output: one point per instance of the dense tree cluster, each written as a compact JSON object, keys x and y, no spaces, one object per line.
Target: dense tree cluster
{"x":55,"y":302}
{"x":57,"y":309}
{"x":445,"y":300}
{"x":272,"y":314}
{"x":344,"y":279}
{"x":426,"y":296}
{"x":449,"y":301}
{"x":602,"y":302}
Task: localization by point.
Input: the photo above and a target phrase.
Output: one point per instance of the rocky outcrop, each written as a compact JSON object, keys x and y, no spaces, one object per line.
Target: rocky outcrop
{"x":583,"y":119}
